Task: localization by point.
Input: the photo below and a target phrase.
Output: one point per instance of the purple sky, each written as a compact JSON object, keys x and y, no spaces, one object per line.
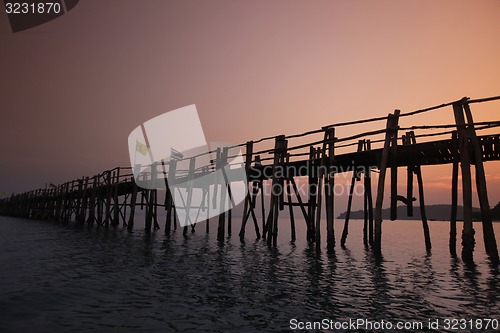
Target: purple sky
{"x":73,"y":89}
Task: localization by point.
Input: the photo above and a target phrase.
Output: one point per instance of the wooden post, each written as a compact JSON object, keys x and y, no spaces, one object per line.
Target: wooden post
{"x":271,"y":227}
{"x":392,"y":125}
{"x":422,"y":208}
{"x":68,"y":202}
{"x":468,"y":241}
{"x":169,"y":182}
{"x":154,"y":196}
{"x":149,"y":217}
{"x":116,"y":204}
{"x":84,"y":201}
{"x":79,"y":201}
{"x":93,"y":196}
{"x":420,"y":182}
{"x":355,"y":177}
{"x":221,"y":161}
{"x":206,"y":199}
{"x":368,"y":193}
{"x":255,"y":191}
{"x":454,"y":194}
{"x":189,"y":199}
{"x":246,"y":205}
{"x":409,"y":182}
{"x":312,"y":190}
{"x":108,"y":198}
{"x":394,"y":174}
{"x":155,"y":210}
{"x":100,"y":203}
{"x":133,"y":199}
{"x":365,"y":212}
{"x":299,"y":199}
{"x":329,"y":190}
{"x":410,"y":139}
{"x":490,"y":242}
{"x":290,"y":210}
{"x":207,"y":222}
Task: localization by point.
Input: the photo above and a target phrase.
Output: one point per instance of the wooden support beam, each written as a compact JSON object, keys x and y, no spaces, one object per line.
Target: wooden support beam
{"x":116,"y":204}
{"x":221,"y":161}
{"x":468,"y":241}
{"x":271,"y":227}
{"x":312,"y":190}
{"x":156,"y":225}
{"x":299,"y":199}
{"x":394,"y":174}
{"x":100,"y":202}
{"x":368,"y":193}
{"x":189,"y":199}
{"x":169,"y":196}
{"x":149,"y":216}
{"x":207,"y":220}
{"x":355,"y":177}
{"x":329,"y":189}
{"x":391,"y":130}
{"x":246,"y":205}
{"x":454,"y":194}
{"x":490,"y":242}
{"x":92,"y":205}
{"x":409,"y":181}
{"x":108,"y":199}
{"x":290,"y":210}
{"x":365,"y":212}
{"x":410,"y":137}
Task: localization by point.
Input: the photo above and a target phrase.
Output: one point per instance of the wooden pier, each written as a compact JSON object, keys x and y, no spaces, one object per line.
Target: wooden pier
{"x":112,"y":197}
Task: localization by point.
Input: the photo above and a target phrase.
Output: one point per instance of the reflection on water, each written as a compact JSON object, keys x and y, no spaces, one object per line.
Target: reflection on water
{"x":66,"y":278}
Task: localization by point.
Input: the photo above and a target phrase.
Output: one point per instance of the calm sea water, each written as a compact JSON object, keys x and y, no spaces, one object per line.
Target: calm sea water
{"x":61,"y":278}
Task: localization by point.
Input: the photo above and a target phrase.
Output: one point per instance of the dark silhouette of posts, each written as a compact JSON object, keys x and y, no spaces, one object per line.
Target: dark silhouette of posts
{"x":97,"y":199}
{"x":470,"y":138}
{"x":410,"y":139}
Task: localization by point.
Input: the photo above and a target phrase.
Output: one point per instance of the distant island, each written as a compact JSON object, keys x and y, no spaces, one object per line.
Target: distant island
{"x":434,"y":212}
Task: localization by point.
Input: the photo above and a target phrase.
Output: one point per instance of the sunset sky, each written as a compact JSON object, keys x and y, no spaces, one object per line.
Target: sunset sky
{"x":73,"y":89}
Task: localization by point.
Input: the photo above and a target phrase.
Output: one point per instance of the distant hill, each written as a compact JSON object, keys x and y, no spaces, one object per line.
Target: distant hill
{"x":495,"y":213}
{"x":434,"y":212}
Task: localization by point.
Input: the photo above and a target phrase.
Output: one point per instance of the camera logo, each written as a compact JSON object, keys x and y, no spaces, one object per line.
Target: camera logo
{"x":26,"y":14}
{"x":170,"y":152}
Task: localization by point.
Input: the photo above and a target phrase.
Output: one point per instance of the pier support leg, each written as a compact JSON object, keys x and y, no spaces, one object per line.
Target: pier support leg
{"x":454,"y":195}
{"x":482,"y":192}
{"x":392,"y":123}
{"x":468,"y":241}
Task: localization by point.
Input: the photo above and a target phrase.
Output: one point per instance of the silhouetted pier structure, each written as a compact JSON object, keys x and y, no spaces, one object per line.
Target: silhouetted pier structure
{"x":112,"y":197}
